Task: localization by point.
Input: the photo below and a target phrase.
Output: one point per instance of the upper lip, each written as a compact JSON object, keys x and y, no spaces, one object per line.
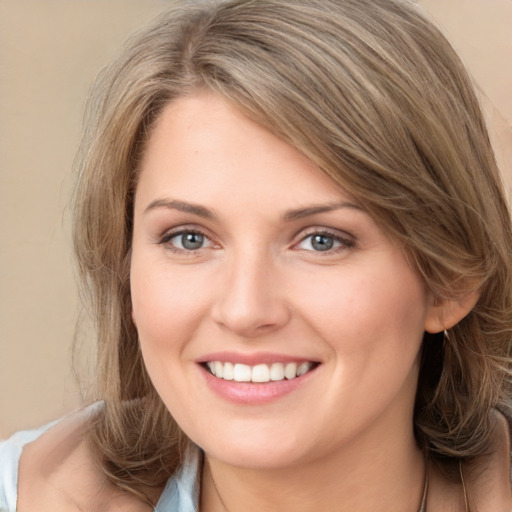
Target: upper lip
{"x":254,"y":358}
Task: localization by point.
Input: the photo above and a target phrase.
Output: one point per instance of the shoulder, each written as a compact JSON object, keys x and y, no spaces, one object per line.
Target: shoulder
{"x":489,"y":476}
{"x":59,"y":472}
{"x":482,"y":484}
{"x":10,"y":452}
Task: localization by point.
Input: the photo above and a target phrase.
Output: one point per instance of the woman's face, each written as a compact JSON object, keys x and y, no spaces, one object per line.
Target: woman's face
{"x":277,"y":321}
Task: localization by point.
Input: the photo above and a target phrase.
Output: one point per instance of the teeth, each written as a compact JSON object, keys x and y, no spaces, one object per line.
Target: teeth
{"x":290,"y":370}
{"x":219,"y":369}
{"x":227,"y":372}
{"x":258,"y":373}
{"x":241,"y":372}
{"x":261,"y":373}
{"x":302,"y":369}
{"x":277,"y":371}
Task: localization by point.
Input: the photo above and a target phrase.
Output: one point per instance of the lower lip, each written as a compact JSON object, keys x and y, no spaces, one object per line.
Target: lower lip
{"x":250,"y":393}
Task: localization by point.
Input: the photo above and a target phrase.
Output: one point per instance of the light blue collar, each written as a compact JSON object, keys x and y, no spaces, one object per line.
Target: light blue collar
{"x":181,"y":493}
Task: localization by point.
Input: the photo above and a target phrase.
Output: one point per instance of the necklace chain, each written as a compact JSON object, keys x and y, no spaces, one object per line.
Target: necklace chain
{"x":464,"y":490}
{"x":423,"y":504}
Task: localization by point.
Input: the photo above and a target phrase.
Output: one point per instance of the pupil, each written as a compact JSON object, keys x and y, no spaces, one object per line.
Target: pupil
{"x":322,"y":242}
{"x":192,"y":241}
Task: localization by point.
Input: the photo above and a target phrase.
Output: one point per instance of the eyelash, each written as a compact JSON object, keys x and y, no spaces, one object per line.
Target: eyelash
{"x":344,"y":242}
{"x":166,"y":239}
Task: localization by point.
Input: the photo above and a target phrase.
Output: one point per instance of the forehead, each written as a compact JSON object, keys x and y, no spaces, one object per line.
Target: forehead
{"x":203,"y":148}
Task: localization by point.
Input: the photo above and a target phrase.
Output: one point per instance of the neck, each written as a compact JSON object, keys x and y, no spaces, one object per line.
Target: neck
{"x":361,"y":478}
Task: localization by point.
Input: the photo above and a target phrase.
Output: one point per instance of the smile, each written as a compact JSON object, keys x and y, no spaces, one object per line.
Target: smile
{"x":259,"y":373}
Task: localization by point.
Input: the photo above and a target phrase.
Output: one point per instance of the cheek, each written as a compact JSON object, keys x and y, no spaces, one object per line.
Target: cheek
{"x":166,"y":303}
{"x":373,"y":326}
{"x":167,"y":311}
{"x":365,"y":312}
{"x":170,"y":307}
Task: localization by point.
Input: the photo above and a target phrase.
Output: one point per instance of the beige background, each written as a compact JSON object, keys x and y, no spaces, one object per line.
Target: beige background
{"x":50,"y":51}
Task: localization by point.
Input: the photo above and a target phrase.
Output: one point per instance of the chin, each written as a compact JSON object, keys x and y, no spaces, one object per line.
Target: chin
{"x":256,"y":459}
{"x":255,"y":451}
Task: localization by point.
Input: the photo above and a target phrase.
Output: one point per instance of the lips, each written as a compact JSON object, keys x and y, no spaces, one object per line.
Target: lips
{"x":259,"y":373}
{"x":255,"y":378}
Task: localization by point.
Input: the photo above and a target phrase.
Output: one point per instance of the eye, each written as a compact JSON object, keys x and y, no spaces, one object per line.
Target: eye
{"x":321,"y":242}
{"x":187,"y":240}
{"x":324,"y":242}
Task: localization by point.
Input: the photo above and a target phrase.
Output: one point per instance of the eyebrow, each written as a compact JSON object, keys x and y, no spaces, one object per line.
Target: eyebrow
{"x":288,"y":216}
{"x":308,"y":211}
{"x":181,"y":206}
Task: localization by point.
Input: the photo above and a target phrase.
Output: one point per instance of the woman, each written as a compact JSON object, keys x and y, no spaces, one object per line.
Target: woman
{"x":291,"y":229}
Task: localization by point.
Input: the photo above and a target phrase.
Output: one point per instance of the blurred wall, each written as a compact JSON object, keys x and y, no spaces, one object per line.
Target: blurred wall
{"x":481,"y":31}
{"x":50,"y":50}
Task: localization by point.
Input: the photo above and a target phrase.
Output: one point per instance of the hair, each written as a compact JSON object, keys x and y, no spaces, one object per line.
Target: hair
{"x":371,"y":92}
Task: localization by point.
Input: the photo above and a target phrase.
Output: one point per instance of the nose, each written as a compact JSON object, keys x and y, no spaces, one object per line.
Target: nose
{"x":250,"y":302}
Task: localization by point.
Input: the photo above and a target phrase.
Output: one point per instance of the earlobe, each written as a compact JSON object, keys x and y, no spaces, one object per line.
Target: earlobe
{"x":445,"y":313}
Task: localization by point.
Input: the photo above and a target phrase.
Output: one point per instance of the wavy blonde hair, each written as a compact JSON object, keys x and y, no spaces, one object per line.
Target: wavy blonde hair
{"x":373,"y":93}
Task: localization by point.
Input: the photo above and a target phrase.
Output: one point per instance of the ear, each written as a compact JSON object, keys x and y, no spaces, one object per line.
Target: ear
{"x":442,"y":314}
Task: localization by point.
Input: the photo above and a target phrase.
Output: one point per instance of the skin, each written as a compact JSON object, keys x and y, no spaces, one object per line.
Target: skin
{"x":257,"y":285}
{"x":58,"y":473}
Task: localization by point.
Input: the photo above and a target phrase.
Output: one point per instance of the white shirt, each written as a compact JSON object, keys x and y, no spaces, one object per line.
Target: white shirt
{"x":181,"y":493}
